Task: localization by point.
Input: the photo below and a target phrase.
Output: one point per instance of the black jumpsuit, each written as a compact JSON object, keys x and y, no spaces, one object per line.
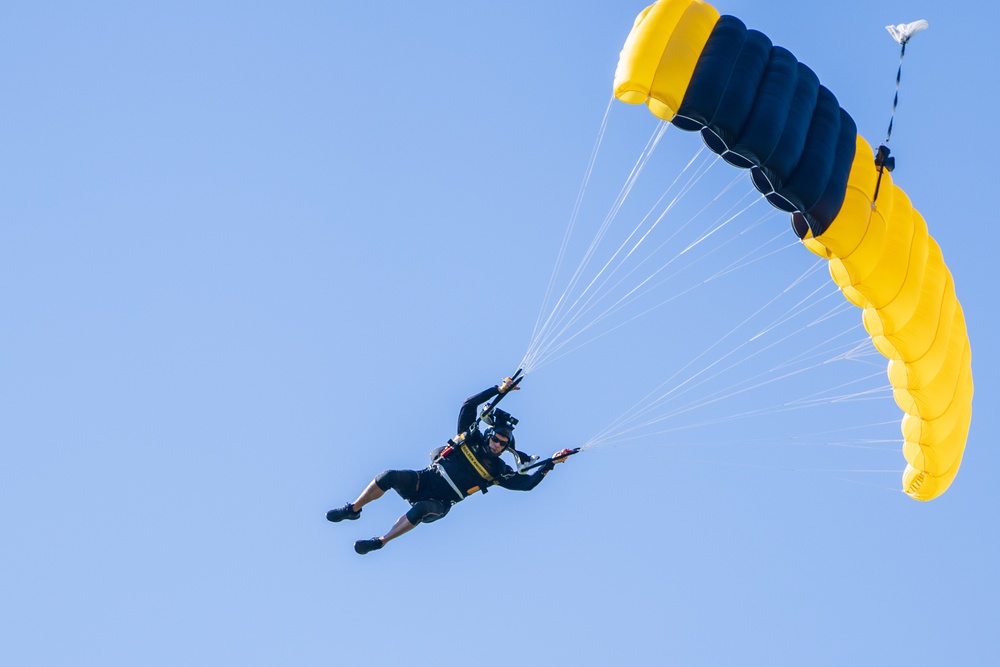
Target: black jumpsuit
{"x":428,"y":490}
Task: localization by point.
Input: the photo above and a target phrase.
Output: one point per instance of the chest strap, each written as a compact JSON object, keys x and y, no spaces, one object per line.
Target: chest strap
{"x":475,"y":463}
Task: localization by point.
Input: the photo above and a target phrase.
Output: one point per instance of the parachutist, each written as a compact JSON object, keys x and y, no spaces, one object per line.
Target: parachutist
{"x":470,"y":462}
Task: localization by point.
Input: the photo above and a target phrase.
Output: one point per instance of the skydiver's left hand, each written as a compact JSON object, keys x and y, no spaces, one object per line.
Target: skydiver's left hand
{"x":561,"y":455}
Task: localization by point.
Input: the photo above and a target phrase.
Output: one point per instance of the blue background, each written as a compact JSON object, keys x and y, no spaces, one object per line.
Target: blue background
{"x":251,"y":254}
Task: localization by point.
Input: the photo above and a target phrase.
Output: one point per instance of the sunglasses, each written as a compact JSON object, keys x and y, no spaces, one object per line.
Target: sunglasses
{"x":494,"y":438}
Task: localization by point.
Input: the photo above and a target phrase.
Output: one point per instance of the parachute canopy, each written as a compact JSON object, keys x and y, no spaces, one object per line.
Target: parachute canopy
{"x":762,"y":110}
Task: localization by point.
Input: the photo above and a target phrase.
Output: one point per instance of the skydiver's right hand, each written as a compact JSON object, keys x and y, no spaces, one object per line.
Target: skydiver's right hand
{"x":508,"y":385}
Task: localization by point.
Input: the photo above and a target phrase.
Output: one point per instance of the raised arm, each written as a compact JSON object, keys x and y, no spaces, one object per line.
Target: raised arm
{"x":470,"y":409}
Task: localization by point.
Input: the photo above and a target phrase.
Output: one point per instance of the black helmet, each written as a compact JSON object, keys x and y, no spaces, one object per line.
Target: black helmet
{"x":501,"y":430}
{"x":501,"y":423}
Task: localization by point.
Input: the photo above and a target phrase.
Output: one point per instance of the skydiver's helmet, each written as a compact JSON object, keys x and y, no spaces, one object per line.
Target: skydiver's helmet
{"x":501,"y":423}
{"x":504,"y":431}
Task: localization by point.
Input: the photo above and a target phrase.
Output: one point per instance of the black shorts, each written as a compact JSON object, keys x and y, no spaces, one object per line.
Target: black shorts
{"x":426,"y":490}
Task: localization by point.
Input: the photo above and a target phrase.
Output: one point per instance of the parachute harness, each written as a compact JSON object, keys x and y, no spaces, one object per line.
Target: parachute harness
{"x":902,"y":33}
{"x":458,"y":442}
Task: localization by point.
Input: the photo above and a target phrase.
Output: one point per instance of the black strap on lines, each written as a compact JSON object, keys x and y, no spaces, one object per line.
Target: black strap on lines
{"x":882,"y":159}
{"x":895,"y":99}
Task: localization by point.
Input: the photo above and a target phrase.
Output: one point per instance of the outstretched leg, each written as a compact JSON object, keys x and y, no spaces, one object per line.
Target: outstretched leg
{"x":375,"y":490}
{"x":371,"y":492}
{"x":401,"y":526}
{"x":423,"y":511}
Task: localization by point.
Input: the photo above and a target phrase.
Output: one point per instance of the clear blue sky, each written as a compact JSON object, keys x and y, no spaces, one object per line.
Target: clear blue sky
{"x":255,"y":253}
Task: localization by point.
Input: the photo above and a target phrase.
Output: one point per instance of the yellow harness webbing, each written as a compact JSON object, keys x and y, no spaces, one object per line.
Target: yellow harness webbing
{"x":475,"y":463}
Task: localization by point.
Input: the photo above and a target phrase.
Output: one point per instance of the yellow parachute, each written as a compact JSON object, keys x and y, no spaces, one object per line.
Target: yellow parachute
{"x":763,"y":110}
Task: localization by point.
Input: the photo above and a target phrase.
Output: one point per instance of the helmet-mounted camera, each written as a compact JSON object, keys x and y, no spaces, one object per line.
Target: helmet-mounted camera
{"x":501,"y":421}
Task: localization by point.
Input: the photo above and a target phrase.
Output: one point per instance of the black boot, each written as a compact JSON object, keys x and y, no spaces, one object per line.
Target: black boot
{"x":347,"y":512}
{"x":364,"y":546}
